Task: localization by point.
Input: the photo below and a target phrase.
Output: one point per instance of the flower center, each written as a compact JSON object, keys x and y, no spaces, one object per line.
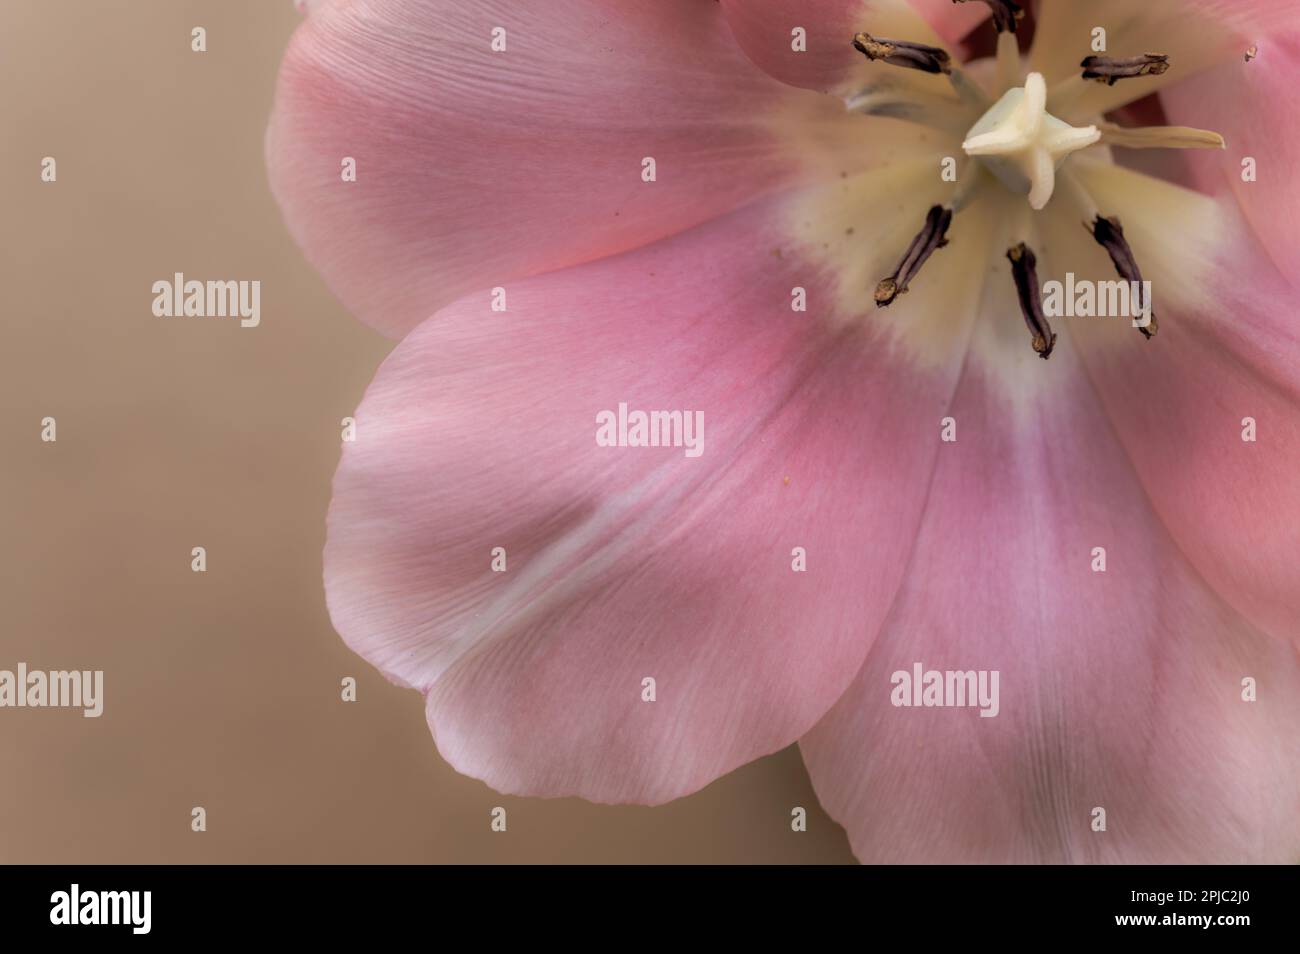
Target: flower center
{"x":1022,"y":144}
{"x":1019,"y":143}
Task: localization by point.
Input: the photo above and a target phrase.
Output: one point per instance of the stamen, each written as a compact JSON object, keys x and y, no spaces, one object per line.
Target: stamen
{"x":969,"y":179}
{"x":913,"y":56}
{"x":1008,"y":61}
{"x":911,"y":105}
{"x":932,"y":236}
{"x":927,"y":59}
{"x":1251,"y":52}
{"x":1159,"y":137}
{"x":1108,"y":69}
{"x":1110,"y":236}
{"x":1023,"y":270}
{"x":1005,"y":14}
{"x":1064,"y":94}
{"x":1080,"y":196}
{"x":971,"y":93}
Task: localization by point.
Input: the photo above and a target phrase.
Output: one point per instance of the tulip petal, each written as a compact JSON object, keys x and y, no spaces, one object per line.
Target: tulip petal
{"x":628,"y":563}
{"x":464,"y":155}
{"x":1253,"y":105}
{"x":1227,"y":351}
{"x":1119,"y":690}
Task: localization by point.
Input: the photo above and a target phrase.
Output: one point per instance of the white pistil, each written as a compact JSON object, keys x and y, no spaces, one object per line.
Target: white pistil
{"x":1022,"y":144}
{"x":1160,"y":137}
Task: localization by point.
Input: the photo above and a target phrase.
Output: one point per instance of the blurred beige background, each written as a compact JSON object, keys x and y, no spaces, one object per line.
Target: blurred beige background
{"x":221,"y":688}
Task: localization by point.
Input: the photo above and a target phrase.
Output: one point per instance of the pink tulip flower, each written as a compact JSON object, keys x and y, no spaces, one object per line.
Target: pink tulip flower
{"x":826,"y":230}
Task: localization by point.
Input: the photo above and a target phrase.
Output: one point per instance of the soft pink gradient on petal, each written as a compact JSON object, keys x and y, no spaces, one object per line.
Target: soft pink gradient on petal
{"x":1237,"y":15}
{"x":1256,"y":107}
{"x":1228,"y":349}
{"x":475,"y":167}
{"x":627,"y":563}
{"x":1119,"y":690}
{"x":951,"y":21}
{"x":830,"y":63}
{"x":1178,"y":408}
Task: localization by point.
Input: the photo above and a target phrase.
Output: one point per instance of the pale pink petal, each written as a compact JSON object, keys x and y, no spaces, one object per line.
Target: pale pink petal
{"x":632,"y":563}
{"x":827,"y":62}
{"x":1233,"y":505}
{"x":1256,"y":107}
{"x":952,"y":21}
{"x":1241,"y":16}
{"x":476,"y":167}
{"x":1227,"y":349}
{"x":1118,"y":690}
